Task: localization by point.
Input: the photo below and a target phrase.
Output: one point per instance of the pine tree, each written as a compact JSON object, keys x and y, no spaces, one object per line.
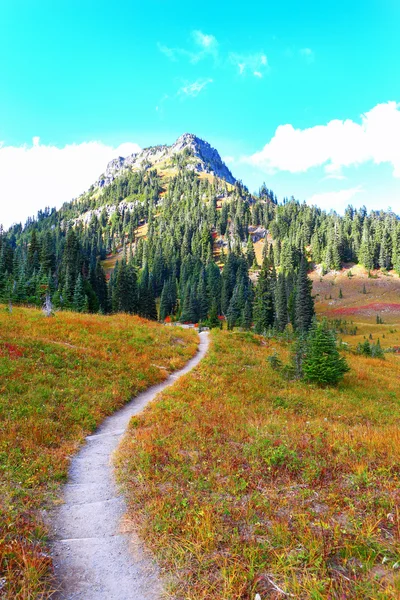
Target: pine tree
{"x":304,"y":307}
{"x":213,"y":320}
{"x":33,"y":253}
{"x":228,"y":281}
{"x":250,"y":254}
{"x":47,"y":254}
{"x":125,"y":289}
{"x":100,"y":287}
{"x":365,"y":253}
{"x":80,"y":301}
{"x":322,"y":363}
{"x":151,"y":311}
{"x":147,"y":307}
{"x":264,"y":303}
{"x":332,"y":256}
{"x":286,"y":257}
{"x":203,"y":297}
{"x":247,"y":315}
{"x":190,"y":306}
{"x":165,"y":305}
{"x":282,"y":317}
{"x":214,"y":284}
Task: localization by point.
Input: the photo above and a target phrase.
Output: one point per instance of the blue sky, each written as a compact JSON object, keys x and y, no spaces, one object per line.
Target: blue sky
{"x":260,"y":81}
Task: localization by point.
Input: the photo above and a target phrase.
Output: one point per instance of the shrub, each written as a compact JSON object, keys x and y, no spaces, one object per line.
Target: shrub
{"x":275,"y":361}
{"x":370,"y":349}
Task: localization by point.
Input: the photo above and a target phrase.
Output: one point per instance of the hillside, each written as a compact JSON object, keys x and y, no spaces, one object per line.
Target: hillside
{"x":270,"y":486}
{"x":59,"y":378}
{"x":169,"y":233}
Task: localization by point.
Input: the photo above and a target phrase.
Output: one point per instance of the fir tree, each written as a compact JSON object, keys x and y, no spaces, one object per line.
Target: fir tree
{"x":250,"y":254}
{"x":203,"y":297}
{"x":304,"y":307}
{"x":281,"y":304}
{"x":80,"y":301}
{"x":322,"y":363}
{"x":247,"y":315}
{"x":264,"y":304}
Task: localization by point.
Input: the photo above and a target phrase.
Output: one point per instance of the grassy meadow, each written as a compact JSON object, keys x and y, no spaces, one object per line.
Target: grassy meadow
{"x":244,"y":483}
{"x":59,"y":377}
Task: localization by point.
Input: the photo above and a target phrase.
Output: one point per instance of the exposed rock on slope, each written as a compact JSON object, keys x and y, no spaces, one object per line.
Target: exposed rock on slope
{"x":198,"y":155}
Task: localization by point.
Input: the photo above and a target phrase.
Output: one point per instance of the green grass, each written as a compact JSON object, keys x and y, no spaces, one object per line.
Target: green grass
{"x":59,"y":377}
{"x":241,"y":482}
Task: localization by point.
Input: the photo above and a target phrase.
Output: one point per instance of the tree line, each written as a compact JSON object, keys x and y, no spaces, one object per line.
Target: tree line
{"x":196,"y":260}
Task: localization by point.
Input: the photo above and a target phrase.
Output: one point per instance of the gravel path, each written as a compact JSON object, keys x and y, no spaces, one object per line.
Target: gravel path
{"x":96,"y":555}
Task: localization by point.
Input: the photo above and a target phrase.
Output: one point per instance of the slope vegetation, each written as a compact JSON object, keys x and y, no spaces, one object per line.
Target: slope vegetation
{"x":59,"y":377}
{"x":245,"y":483}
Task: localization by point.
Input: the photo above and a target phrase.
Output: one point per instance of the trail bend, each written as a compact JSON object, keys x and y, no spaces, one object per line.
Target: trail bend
{"x":94,"y":558}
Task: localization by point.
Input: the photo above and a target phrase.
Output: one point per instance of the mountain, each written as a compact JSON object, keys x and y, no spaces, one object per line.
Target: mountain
{"x":171,"y":223}
{"x":188,"y":151}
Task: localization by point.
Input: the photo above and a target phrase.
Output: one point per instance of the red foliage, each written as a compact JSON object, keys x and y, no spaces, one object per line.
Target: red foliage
{"x":167,"y":319}
{"x":372,"y":306}
{"x":11,"y":350}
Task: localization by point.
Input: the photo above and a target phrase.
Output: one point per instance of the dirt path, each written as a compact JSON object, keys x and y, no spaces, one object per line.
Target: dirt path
{"x":94,"y":558}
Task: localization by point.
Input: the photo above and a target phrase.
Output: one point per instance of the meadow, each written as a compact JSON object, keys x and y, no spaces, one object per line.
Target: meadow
{"x":59,"y":378}
{"x":242,"y":482}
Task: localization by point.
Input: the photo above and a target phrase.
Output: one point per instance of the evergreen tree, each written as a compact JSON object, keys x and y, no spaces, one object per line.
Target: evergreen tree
{"x":322,"y":363}
{"x":365,"y":252}
{"x":304,"y":307}
{"x":203,"y":297}
{"x":264,"y":304}
{"x":250,"y":254}
{"x":213,"y":320}
{"x":80,"y":301}
{"x":281,"y":304}
{"x":33,"y":253}
{"x":165,"y":305}
{"x":247,"y":315}
{"x":147,"y":307}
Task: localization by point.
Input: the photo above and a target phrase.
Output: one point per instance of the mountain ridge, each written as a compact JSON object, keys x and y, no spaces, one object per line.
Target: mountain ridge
{"x":188,"y":150}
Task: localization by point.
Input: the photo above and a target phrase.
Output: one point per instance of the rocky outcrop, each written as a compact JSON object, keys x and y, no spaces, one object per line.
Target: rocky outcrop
{"x":198,"y":154}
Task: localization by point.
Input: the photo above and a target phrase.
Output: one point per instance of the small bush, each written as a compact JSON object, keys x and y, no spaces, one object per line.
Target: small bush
{"x":275,"y":361}
{"x":370,"y":349}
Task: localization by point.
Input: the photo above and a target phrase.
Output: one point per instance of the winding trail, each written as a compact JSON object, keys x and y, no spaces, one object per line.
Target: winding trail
{"x":95,"y":555}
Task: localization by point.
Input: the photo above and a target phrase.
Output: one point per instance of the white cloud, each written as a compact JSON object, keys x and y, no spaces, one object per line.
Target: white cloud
{"x":228,"y":160}
{"x":169,"y":52}
{"x":194,"y":89}
{"x":334,"y":200}
{"x":33,"y":177}
{"x":307,"y":54}
{"x":204,"y":40}
{"x":256,"y":64}
{"x":337,"y":145}
{"x":205,"y":45}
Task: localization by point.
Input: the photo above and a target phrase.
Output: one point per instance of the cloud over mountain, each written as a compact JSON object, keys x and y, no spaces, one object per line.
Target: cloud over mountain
{"x":35,"y":176}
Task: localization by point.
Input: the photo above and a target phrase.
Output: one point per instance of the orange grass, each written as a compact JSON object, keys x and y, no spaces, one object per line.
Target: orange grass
{"x":59,"y":377}
{"x":243,"y":483}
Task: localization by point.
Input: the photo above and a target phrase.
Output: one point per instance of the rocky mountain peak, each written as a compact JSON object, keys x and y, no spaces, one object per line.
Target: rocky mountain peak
{"x":200,"y":157}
